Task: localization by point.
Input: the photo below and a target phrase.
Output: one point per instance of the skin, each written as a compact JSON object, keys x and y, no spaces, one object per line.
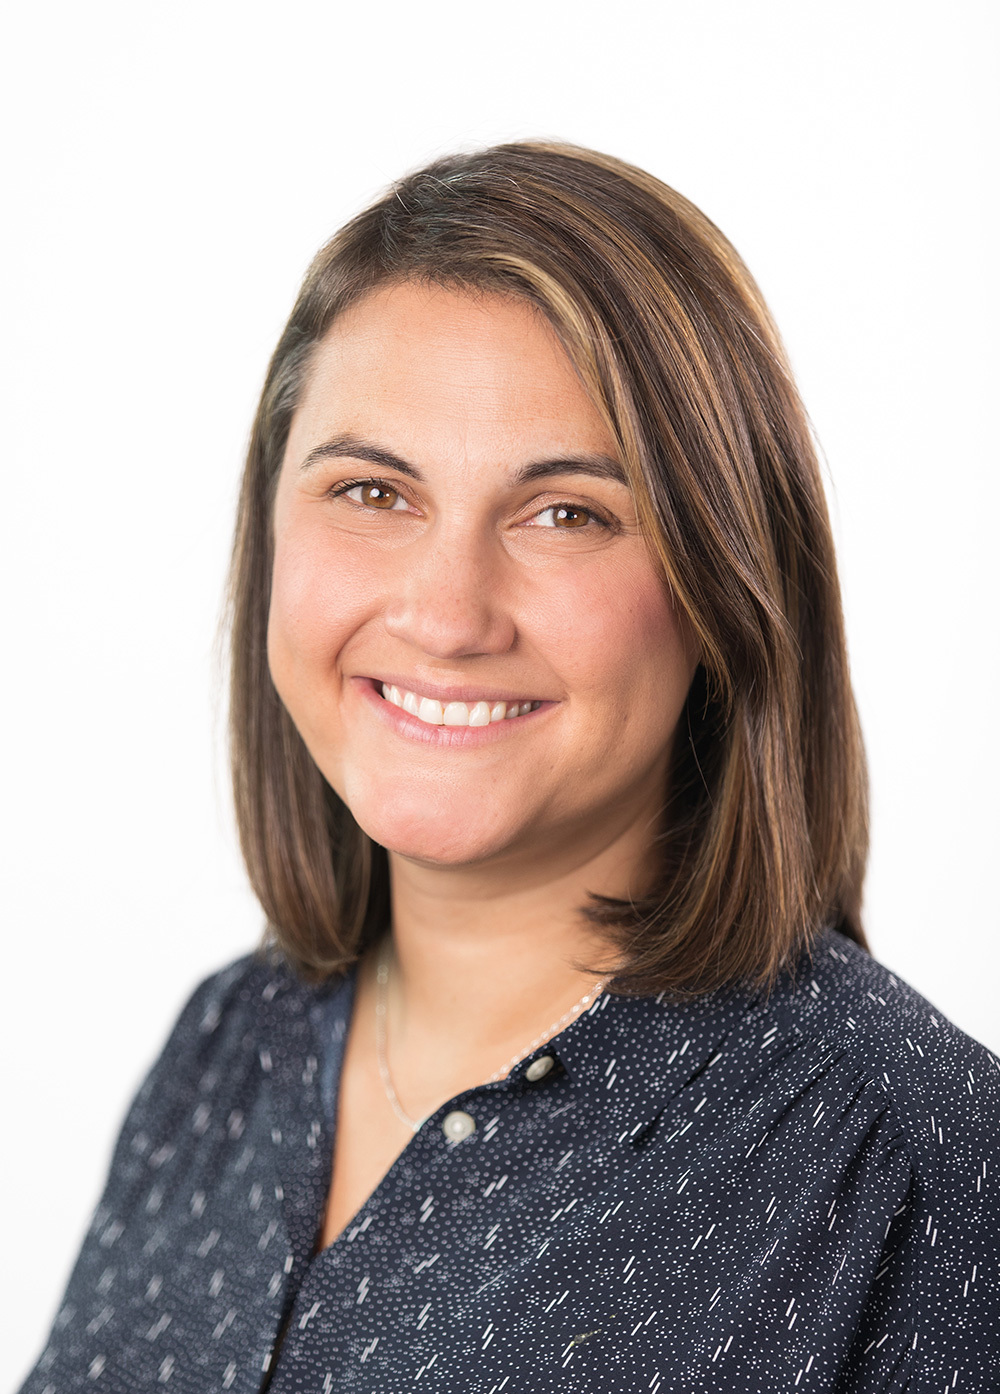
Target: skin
{"x":469,"y":580}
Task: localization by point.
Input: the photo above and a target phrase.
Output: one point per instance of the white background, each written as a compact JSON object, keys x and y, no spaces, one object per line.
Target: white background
{"x":171,"y":170}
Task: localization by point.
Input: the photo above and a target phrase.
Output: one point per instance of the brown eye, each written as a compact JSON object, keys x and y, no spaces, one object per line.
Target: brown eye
{"x":377,"y":496}
{"x":371,"y":493}
{"x":565,"y":517}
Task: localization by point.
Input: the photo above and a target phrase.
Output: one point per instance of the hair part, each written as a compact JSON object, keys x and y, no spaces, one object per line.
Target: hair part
{"x":764,"y":835}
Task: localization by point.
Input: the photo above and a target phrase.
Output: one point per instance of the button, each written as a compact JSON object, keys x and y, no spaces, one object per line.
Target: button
{"x":458,"y":1125}
{"x":539,"y":1068}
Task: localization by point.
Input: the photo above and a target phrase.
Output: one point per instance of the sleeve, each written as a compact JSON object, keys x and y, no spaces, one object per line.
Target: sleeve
{"x":932,"y":1319}
{"x":166,"y":1095}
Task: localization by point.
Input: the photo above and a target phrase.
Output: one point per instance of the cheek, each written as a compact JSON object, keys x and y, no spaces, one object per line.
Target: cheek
{"x":615,"y":634}
{"x":317,"y":600}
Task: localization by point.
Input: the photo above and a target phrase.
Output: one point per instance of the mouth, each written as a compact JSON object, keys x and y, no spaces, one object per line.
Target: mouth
{"x":431,"y":711}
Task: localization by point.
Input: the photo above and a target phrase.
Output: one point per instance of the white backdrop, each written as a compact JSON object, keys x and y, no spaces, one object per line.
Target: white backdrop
{"x":172,"y":169}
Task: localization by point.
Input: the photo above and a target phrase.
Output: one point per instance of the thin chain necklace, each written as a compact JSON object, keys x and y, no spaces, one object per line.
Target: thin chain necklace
{"x":381,"y":981}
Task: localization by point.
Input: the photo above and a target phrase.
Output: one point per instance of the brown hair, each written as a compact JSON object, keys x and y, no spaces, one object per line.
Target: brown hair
{"x":764,"y":835}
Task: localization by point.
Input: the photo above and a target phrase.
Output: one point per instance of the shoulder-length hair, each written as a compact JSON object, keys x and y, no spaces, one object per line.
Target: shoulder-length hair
{"x":764,"y":838}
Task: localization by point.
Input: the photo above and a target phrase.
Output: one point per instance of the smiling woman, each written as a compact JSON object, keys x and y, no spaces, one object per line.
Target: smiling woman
{"x":500,"y":573}
{"x":564,"y":1064}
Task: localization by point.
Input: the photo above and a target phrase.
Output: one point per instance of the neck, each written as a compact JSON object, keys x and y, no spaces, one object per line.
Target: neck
{"x":484,"y":958}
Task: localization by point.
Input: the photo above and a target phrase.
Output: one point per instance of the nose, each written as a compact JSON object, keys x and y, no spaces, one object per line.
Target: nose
{"x":449,"y":596}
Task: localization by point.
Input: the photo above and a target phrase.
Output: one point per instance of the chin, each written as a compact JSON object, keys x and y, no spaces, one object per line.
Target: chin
{"x":439,"y":833}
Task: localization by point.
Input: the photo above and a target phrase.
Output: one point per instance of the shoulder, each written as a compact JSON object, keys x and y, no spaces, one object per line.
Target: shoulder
{"x":840,"y":992}
{"x":220,"y":1006}
{"x":208,"y":1068}
{"x":216,"y":1034}
{"x":942,"y":1085}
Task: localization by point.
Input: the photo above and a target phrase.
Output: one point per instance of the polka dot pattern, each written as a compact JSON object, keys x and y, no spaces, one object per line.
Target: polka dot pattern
{"x":739,"y":1193}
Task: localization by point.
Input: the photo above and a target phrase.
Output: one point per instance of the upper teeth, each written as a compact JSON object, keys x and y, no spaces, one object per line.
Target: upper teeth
{"x":454,"y":713}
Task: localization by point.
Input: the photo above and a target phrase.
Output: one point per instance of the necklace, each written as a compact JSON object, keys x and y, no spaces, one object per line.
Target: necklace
{"x":381,"y":981}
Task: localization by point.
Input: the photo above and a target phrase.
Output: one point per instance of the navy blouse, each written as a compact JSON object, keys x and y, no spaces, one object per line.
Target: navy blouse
{"x":735,"y":1194}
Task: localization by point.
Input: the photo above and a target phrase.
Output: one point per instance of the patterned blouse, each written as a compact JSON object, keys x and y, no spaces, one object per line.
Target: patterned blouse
{"x":737,"y":1194}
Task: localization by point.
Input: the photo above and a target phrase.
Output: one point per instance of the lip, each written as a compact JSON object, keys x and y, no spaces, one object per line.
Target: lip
{"x":451,"y":737}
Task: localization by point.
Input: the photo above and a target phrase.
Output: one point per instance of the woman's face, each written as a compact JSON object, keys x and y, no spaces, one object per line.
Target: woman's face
{"x":454,"y":543}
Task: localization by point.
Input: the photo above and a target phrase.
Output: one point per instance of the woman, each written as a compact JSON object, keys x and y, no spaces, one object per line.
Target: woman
{"x":566,"y":1066}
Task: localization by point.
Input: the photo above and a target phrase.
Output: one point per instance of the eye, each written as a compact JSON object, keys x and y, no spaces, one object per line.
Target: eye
{"x":566,"y":515}
{"x":371,"y":493}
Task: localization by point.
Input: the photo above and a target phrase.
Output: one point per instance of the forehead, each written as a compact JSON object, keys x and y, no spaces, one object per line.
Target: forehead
{"x":426,"y":367}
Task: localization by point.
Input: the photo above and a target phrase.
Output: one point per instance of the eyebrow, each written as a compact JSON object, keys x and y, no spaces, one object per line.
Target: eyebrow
{"x":592,"y":463}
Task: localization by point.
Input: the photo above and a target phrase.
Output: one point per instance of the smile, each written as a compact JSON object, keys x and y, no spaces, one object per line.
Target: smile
{"x":435,"y":713}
